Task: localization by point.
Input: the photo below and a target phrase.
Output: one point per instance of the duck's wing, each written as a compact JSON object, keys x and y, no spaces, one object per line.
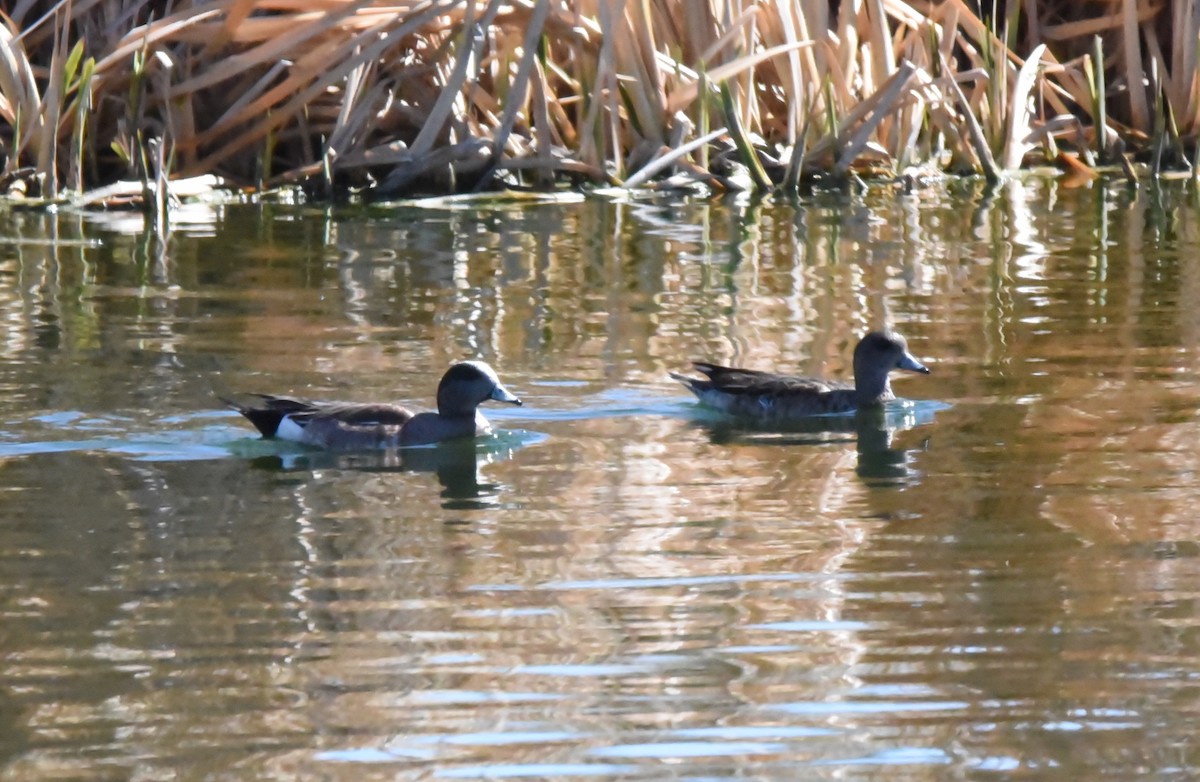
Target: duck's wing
{"x":731,"y":380}
{"x":268,"y":411}
{"x":351,"y":414}
{"x":350,"y":427}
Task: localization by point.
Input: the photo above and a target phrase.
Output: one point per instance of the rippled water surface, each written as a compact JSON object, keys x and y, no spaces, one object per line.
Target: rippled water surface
{"x":997,"y":577}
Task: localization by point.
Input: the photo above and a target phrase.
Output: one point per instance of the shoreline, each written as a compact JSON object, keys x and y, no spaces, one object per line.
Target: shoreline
{"x":352,"y":101}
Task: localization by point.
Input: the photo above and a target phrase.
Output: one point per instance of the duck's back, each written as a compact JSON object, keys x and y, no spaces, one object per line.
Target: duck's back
{"x":751,"y":393}
{"x":316,"y":422}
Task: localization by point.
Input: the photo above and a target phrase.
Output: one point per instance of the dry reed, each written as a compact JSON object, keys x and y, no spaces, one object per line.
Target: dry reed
{"x":392,"y":98}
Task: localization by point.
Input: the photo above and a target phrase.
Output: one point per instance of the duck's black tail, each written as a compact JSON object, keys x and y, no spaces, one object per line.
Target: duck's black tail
{"x":693,"y":384}
{"x":267,"y":411}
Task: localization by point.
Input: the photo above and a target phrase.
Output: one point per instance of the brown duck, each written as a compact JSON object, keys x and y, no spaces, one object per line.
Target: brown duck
{"x":767,"y":396}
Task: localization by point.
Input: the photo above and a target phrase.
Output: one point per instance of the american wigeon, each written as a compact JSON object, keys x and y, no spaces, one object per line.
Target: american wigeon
{"x":351,"y":426}
{"x":766,"y":396}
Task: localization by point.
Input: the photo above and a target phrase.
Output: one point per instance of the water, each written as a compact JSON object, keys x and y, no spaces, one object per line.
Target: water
{"x":995,"y":579}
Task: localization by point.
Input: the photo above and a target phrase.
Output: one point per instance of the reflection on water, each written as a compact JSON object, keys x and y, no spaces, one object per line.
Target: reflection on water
{"x":457,"y":463}
{"x":872,"y":430}
{"x":993,"y":578}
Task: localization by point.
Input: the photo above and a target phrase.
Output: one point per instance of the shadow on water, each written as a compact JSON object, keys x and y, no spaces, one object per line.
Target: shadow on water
{"x":873,"y":431}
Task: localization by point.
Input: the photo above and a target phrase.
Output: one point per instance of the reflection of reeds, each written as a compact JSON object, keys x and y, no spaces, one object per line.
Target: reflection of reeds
{"x":460,"y":94}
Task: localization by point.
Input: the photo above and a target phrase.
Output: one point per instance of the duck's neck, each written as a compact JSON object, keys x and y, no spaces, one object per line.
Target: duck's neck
{"x":426,"y":428}
{"x":450,"y":407}
{"x":872,"y":388}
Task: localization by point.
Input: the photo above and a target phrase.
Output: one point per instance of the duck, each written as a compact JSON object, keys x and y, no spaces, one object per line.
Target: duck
{"x":767,"y":396}
{"x":359,"y":426}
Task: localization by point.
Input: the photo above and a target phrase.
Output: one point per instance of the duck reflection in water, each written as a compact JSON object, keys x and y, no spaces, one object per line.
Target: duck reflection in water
{"x":457,"y":464}
{"x":808,"y":409}
{"x":872,"y":429}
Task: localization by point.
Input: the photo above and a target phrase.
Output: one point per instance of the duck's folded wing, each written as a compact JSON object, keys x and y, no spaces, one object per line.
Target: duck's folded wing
{"x":336,"y":433}
{"x":267,"y":411}
{"x":360,"y":414}
{"x":731,"y":380}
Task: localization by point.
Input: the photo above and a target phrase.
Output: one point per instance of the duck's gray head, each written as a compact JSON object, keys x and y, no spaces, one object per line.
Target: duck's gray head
{"x":467,"y":384}
{"x":877,"y":354}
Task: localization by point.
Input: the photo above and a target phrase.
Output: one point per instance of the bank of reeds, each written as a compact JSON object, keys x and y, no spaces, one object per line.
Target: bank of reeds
{"x":391,"y":98}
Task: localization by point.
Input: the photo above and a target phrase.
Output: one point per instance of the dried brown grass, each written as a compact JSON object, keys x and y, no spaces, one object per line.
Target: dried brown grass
{"x":452,"y":95}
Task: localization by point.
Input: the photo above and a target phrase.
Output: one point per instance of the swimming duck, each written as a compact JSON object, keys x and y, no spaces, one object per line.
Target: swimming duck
{"x":351,"y":426}
{"x":766,"y":396}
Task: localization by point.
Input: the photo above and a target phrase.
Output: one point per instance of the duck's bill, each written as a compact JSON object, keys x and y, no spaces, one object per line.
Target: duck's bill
{"x":502,"y":394}
{"x":912,"y":365}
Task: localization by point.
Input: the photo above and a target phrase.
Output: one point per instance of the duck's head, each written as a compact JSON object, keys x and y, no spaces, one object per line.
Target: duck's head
{"x":877,"y":354}
{"x":466,"y":385}
{"x":885,"y":349}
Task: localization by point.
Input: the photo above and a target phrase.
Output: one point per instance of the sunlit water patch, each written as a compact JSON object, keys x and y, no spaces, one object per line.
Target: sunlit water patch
{"x":171,"y":438}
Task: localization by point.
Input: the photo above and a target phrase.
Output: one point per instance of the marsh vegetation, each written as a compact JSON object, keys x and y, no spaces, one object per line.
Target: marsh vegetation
{"x":395,"y":97}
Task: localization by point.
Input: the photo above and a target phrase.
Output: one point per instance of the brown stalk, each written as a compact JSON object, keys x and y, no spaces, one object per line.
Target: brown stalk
{"x":543,"y":129}
{"x":358,"y":102}
{"x":1185,"y":36}
{"x":293,"y":38}
{"x":639,"y":85}
{"x":726,"y":41}
{"x":149,"y":38}
{"x":975,"y":134}
{"x":882,"y":103}
{"x":309,"y":77}
{"x":668,"y":157}
{"x":793,"y":83}
{"x":50,"y":110}
{"x":19,"y":92}
{"x":974,"y":28}
{"x":468,"y":53}
{"x":236,"y":15}
{"x":604,"y":82}
{"x":1018,"y":111}
{"x":883,"y":64}
{"x":1081,"y":28}
{"x":1134,"y":75}
{"x":688,"y":92}
{"x":520,"y":83}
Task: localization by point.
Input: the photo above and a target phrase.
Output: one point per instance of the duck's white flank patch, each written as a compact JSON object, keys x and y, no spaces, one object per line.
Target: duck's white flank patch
{"x":290,"y":430}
